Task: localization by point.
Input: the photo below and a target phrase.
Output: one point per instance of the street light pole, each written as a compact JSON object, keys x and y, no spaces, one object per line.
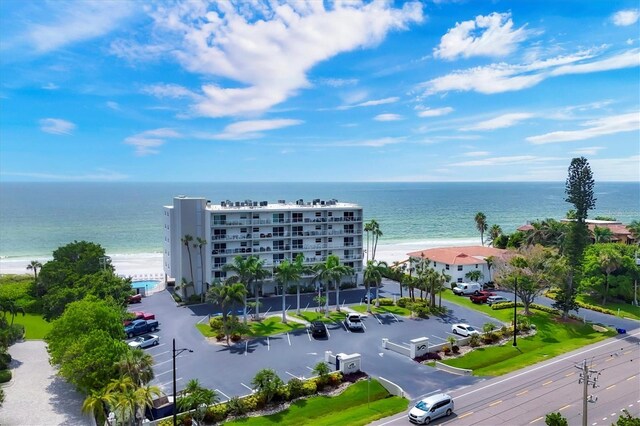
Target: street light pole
{"x":515,"y":312}
{"x":176,"y":352}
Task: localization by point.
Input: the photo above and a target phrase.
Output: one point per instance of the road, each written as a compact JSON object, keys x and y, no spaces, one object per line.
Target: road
{"x":526,"y":396}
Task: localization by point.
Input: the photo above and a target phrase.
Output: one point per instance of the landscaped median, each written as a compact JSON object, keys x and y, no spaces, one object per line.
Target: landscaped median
{"x":269,"y":326}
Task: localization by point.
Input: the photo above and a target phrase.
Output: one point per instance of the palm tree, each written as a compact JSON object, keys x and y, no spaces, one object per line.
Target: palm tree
{"x":376,"y":233}
{"x":368,"y":227}
{"x":610,"y":261}
{"x":96,"y":404}
{"x":481,"y":225}
{"x":494,"y":232}
{"x":286,"y":272}
{"x":246,"y":270}
{"x":200,"y":244}
{"x":227,"y":296}
{"x":634,"y":228}
{"x":10,"y":307}
{"x":126,"y":398}
{"x":186,"y":240}
{"x":138,"y":365}
{"x":444,"y":279}
{"x":602,"y":234}
{"x":34,"y":265}
{"x":302,"y":269}
{"x":332,"y":271}
{"x":373,"y":275}
{"x":490,"y":260}
{"x":197,"y":398}
{"x":474,"y":275}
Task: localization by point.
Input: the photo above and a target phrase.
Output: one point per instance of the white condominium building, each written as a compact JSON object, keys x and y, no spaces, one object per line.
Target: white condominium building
{"x":272,"y":231}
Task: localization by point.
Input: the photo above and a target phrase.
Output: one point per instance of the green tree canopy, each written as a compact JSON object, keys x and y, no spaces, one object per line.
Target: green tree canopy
{"x":609,"y":270}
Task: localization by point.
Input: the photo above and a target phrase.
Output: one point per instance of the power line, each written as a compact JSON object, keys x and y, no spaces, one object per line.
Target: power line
{"x":587,"y":377}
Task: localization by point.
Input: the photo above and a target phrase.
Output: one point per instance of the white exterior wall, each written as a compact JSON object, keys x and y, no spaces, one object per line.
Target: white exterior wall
{"x":313,"y":230}
{"x":459,"y":276}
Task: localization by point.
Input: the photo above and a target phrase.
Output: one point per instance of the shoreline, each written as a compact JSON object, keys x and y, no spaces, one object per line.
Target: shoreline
{"x":138,"y":264}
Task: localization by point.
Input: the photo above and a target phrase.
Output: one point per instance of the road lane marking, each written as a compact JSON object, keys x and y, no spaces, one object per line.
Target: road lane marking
{"x":495,"y":403}
{"x":222,"y":393}
{"x":610,"y":387}
{"x":631,"y":378}
{"x":547,"y":383}
{"x":565,"y":407}
{"x":522,"y":393}
{"x":626,"y":353}
{"x":466,"y":414}
{"x":246,"y":387}
{"x":570,"y":374}
{"x":536,"y":420}
{"x":608,"y":359}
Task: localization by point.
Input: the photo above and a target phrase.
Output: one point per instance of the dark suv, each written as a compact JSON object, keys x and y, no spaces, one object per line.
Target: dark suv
{"x":318,"y":329}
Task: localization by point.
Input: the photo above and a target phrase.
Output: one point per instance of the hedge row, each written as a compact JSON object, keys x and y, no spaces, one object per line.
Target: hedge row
{"x":552,"y":295}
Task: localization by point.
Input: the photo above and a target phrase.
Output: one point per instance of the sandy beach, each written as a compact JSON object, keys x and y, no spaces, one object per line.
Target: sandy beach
{"x":136,"y":265}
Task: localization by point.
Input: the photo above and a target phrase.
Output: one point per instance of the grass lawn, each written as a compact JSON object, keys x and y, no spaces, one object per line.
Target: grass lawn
{"x":310,"y":316}
{"x":348,"y":408}
{"x":552,"y":339}
{"x":396,"y":310}
{"x":267,"y":327}
{"x":35,"y":326}
{"x":626,"y":309}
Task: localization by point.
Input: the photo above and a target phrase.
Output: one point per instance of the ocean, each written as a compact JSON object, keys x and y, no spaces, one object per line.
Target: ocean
{"x":126,"y":218}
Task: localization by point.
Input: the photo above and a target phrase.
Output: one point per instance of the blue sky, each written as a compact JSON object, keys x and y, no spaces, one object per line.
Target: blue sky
{"x":312,"y":91}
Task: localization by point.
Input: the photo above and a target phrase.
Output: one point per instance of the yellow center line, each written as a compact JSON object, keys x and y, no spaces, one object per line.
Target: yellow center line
{"x":495,"y":403}
{"x":609,"y":359}
{"x":612,"y":386}
{"x":570,"y":374}
{"x":593,"y":365}
{"x":522,"y":393}
{"x":566,"y":406}
{"x":631,"y":378}
{"x":546,"y":383}
{"x":627,"y":352}
{"x":466,"y":414}
{"x":533,"y":421}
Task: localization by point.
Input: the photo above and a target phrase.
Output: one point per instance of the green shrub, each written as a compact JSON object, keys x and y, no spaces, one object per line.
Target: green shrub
{"x":177,"y":297}
{"x":5,"y":376}
{"x":254,"y":402}
{"x":474,"y":340}
{"x":385,"y":301}
{"x":335,"y":378}
{"x":403,"y":302}
{"x":237,"y":406}
{"x":310,"y":387}
{"x":5,"y":359}
{"x":216,"y":413}
{"x":455,"y":349}
{"x":216,"y":324}
{"x":296,"y":388}
{"x":506,"y":331}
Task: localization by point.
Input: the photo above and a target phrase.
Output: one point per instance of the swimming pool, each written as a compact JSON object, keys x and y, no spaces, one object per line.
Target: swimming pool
{"x":147,"y":284}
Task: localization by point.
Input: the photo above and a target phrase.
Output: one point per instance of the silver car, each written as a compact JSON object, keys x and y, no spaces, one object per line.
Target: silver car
{"x":431,"y":408}
{"x":145,"y":341}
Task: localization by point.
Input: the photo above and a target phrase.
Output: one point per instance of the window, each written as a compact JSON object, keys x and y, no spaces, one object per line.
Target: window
{"x":318,"y":240}
{"x":330,"y":240}
{"x":318,"y":253}
{"x":446,"y":267}
{"x":476,"y":266}
{"x":435,"y":264}
{"x":297,"y":217}
{"x":459,"y":280}
{"x":459,"y":267}
{"x":318,"y":227}
{"x":256,"y":230}
{"x":318,"y":214}
{"x":243,"y":230}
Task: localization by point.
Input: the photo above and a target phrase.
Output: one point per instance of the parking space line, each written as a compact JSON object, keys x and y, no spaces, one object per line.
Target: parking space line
{"x":309,"y":367}
{"x":376,"y":316}
{"x":345,"y":326}
{"x":363,"y":326}
{"x":165,"y":372}
{"x":161,"y":353}
{"x":222,"y":393}
{"x":246,"y":347}
{"x":292,"y":375}
{"x":327,"y":330}
{"x":438,"y":337}
{"x":289,"y":338}
{"x":268,"y":344}
{"x":170,"y":383}
{"x":246,"y":387}
{"x":308,"y":334}
{"x":394,"y":316}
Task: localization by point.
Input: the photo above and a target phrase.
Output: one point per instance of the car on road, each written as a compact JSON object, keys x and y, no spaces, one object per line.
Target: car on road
{"x":431,"y":408}
{"x":318,"y":329}
{"x":353,"y":321}
{"x":463,"y":330}
{"x":496,"y":299}
{"x":481,"y":297}
{"x":145,"y":341}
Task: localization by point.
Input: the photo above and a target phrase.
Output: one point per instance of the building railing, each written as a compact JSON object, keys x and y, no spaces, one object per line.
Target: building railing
{"x":268,"y":235}
{"x":250,"y":222}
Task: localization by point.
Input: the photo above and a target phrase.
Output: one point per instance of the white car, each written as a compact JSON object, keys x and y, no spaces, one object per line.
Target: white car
{"x":463,"y":330}
{"x":496,"y":299}
{"x":431,"y":408}
{"x":354,"y":322}
{"x":145,"y":341}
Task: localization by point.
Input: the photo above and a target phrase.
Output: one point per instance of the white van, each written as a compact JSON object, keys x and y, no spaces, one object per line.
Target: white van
{"x":431,"y":408}
{"x":467,"y":288}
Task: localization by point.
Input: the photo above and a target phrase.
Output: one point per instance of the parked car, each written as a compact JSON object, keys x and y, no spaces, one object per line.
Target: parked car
{"x":481,"y":297}
{"x":371,"y":296}
{"x":138,"y":327}
{"x":354,"y":322}
{"x":318,"y":329}
{"x":145,"y":341}
{"x":463,"y":289}
{"x":496,"y":299}
{"x":431,"y":408}
{"x":136,"y":298}
{"x":463,"y":330}
{"x":138,"y":315}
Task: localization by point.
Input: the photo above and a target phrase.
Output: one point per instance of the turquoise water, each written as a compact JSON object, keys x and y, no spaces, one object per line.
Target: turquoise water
{"x":127,"y":218}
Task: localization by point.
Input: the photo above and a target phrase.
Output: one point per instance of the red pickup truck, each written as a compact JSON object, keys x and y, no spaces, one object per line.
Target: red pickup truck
{"x":481,"y":297}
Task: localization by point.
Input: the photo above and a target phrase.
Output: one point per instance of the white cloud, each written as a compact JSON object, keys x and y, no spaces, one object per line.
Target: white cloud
{"x":387,"y":117}
{"x":267,"y":50}
{"x":56,"y":126}
{"x":374,"y":143}
{"x":173,"y":91}
{"x":98,"y":175}
{"x":502,"y":77}
{"x":492,"y":35}
{"x":616,"y":169}
{"x":74,"y":22}
{"x":338,"y":82}
{"x":624,"y":18}
{"x":374,"y":102}
{"x":476,"y":154}
{"x":50,"y":86}
{"x":504,"y":161}
{"x":435,"y":112}
{"x":249,"y":129}
{"x":588,"y":150}
{"x":500,"y":122}
{"x":148,"y":142}
{"x":594,"y":128}
{"x":113,"y":105}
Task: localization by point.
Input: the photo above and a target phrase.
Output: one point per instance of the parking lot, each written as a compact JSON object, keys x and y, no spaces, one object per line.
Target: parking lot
{"x":230,"y":369}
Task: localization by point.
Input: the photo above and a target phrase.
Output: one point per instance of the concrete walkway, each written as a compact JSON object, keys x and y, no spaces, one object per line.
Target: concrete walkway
{"x":36,"y":395}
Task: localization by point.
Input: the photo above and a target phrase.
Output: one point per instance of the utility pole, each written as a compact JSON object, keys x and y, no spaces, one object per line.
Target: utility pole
{"x":586,"y":379}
